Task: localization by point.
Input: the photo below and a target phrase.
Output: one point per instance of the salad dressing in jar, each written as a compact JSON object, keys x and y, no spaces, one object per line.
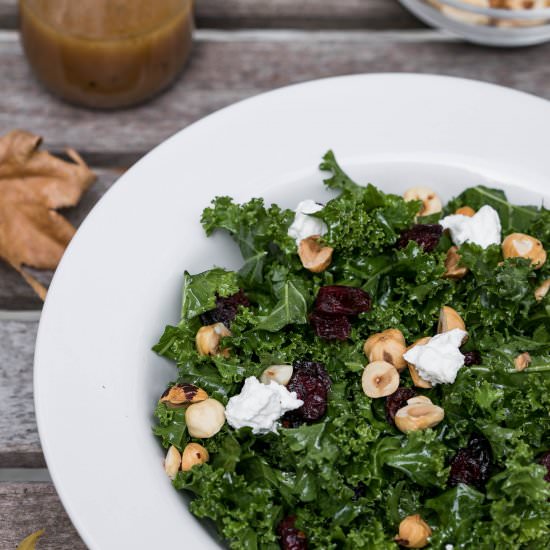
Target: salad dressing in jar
{"x":106,"y":53}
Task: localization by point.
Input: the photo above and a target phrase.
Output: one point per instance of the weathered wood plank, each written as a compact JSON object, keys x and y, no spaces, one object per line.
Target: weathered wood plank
{"x":227,"y":67}
{"x":18,"y":295}
{"x":19,"y":443}
{"x":29,"y":507}
{"x":359,"y":14}
{"x":312,"y":14}
{"x":9,"y":18}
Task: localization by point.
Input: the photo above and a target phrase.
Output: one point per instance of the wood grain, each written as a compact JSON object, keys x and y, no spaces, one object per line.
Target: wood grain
{"x":19,"y":443}
{"x":227,"y":67}
{"x":14,"y":292}
{"x":368,"y":14}
{"x":29,"y":507}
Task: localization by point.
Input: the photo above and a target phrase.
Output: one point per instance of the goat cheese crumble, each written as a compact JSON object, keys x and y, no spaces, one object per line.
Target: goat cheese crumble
{"x":483,"y":228}
{"x":259,"y":406}
{"x":439,"y":360}
{"x":305,"y":225}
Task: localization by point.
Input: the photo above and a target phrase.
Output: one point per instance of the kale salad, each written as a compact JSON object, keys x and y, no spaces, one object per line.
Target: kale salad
{"x":375,"y":376}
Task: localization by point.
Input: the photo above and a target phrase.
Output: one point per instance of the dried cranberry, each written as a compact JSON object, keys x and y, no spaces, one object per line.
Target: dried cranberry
{"x":342,"y":300}
{"x":311,"y":383}
{"x":544,"y":460}
{"x":472,"y":464}
{"x":330,"y":327}
{"x":332,"y":307}
{"x":290,"y":537}
{"x":397,"y":400}
{"x":425,"y":235}
{"x":225,"y":310}
{"x":472,"y":358}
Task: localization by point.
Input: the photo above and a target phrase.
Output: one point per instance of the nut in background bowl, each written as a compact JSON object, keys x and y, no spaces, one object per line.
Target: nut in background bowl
{"x":488,"y":22}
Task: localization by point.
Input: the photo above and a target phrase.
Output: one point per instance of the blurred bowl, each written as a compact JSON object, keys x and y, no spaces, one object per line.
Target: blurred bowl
{"x":513,"y":23}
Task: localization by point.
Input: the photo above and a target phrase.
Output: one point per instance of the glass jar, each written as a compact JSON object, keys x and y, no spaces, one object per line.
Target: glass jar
{"x":106,"y":53}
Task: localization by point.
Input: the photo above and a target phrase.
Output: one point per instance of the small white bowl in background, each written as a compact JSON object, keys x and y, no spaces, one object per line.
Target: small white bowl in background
{"x":476,"y":21}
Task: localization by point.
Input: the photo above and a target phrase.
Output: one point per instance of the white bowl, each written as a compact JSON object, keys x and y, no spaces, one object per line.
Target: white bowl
{"x":487,"y":26}
{"x":96,"y":380}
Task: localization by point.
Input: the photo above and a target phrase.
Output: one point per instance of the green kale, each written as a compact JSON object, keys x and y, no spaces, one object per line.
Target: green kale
{"x":260,"y":232}
{"x":292,"y":305}
{"x":200,"y":291}
{"x":361,"y":215}
{"x":171,"y":426}
{"x":458,"y":510}
{"x":351,"y":477}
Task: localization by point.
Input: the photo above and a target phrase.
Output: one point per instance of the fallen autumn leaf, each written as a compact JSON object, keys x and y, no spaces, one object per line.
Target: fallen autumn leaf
{"x":33,"y":184}
{"x":29,"y":543}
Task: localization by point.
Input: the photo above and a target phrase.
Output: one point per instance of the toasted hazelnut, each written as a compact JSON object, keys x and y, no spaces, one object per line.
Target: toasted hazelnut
{"x":449,"y":319}
{"x":466,"y":211}
{"x":389,"y":346}
{"x":413,"y":532}
{"x":542,"y":290}
{"x":183,"y":394}
{"x":379,"y":379}
{"x":431,"y":203}
{"x":418,"y":381}
{"x":205,"y":419}
{"x":208,"y":339}
{"x":373,"y":339}
{"x":519,"y":245}
{"x":418,"y":400}
{"x":172,"y":462}
{"x":452,"y":269}
{"x":314,"y":257}
{"x":418,"y":415}
{"x":192,"y":455}
{"x":277,"y":373}
{"x":522,"y":361}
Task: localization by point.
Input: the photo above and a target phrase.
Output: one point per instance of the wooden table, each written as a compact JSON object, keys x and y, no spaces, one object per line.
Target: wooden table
{"x":242,"y":48}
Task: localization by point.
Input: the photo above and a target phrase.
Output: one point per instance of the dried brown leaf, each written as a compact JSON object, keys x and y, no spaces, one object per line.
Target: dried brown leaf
{"x":33,"y":184}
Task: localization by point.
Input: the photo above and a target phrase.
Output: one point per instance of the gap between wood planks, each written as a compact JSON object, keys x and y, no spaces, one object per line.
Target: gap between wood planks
{"x":298,"y":35}
{"x":24,"y":475}
{"x":22,"y":316}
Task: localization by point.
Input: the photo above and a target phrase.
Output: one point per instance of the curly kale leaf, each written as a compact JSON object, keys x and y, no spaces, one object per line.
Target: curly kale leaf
{"x":362,"y":217}
{"x":260,"y":232}
{"x":420,"y":456}
{"x":200,"y":291}
{"x":245,"y":512}
{"x":291,"y":307}
{"x":217,"y":375}
{"x":519,"y":507}
{"x":458,"y":510}
{"x":408,"y":291}
{"x":540,"y":228}
{"x":496,"y":296}
{"x":171,"y":427}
